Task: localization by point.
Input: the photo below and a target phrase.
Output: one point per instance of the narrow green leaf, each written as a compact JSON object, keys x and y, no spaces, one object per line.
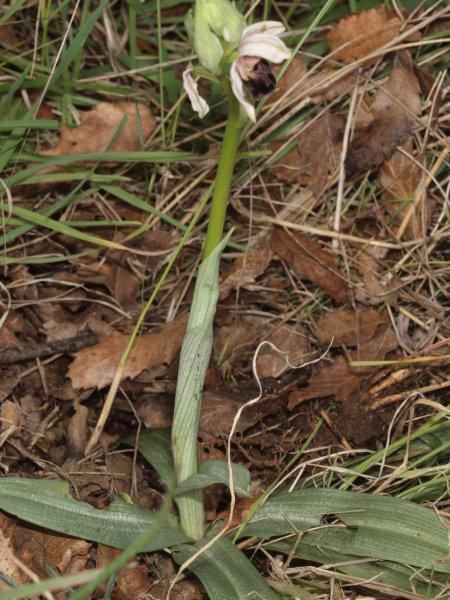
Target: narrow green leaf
{"x":216,"y":471}
{"x":225,"y":572}
{"x":155,"y":447}
{"x":29,"y":124}
{"x":48,"y":504}
{"x":60,"y":227}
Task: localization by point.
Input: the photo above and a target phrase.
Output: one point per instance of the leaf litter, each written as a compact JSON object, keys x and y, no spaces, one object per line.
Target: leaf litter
{"x":363,"y":302}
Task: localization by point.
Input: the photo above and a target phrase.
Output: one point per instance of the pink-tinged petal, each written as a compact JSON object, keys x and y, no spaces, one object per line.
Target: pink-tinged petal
{"x":265,"y":46}
{"x":272,"y":27}
{"x":198,"y":103}
{"x":238,"y":90}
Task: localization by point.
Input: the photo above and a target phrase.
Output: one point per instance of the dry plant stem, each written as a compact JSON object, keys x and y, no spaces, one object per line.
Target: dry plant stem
{"x":184,"y":439}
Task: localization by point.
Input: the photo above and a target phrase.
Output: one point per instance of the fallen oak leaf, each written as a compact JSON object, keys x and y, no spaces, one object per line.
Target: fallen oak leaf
{"x":96,"y":366}
{"x":309,"y":261}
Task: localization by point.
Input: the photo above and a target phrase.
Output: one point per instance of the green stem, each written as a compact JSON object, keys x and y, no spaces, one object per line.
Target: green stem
{"x":196,"y":349}
{"x":224,"y":175}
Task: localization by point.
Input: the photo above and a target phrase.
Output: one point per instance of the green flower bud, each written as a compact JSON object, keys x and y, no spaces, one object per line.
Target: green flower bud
{"x":214,"y":26}
{"x":225,"y":20}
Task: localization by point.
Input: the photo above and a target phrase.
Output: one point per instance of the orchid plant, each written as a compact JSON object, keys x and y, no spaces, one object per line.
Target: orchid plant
{"x":237,"y":57}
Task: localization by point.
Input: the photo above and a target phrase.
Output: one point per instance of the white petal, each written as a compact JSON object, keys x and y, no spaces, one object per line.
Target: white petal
{"x":265,"y":46}
{"x":198,"y":103}
{"x":273,"y":27}
{"x":238,"y":91}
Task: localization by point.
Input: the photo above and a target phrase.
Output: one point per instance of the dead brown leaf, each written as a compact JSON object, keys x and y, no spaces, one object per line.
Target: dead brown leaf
{"x":12,"y":325}
{"x":373,"y":286}
{"x":315,"y":157}
{"x":358,"y":35}
{"x":293,"y":74}
{"x":7,"y":564}
{"x":340,"y":379}
{"x":394,"y":109}
{"x":290,"y":339}
{"x":39,"y":550}
{"x":11,"y":415}
{"x":246,"y":269}
{"x":100,"y":124}
{"x":332,"y":380}
{"x":345,"y":326}
{"x":309,"y":261}
{"x":131,"y":582}
{"x":98,"y":127}
{"x":77,"y":429}
{"x":218,"y":411}
{"x":399,"y":178}
{"x":374,"y":349}
{"x":8,"y":36}
{"x":95,"y":366}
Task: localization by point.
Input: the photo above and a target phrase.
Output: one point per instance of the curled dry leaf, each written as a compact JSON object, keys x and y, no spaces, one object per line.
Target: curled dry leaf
{"x":345,"y":326}
{"x":315,"y":157}
{"x":247,"y":268}
{"x":394,"y":109}
{"x":292,"y":341}
{"x":356,"y":36}
{"x":309,"y":261}
{"x":96,"y":366}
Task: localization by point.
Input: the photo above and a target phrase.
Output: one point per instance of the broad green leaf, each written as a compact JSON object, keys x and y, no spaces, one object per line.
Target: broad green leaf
{"x":155,"y":447}
{"x":323,"y":546}
{"x":48,"y":504}
{"x":225,"y":572}
{"x":384,"y":528}
{"x":216,"y":471}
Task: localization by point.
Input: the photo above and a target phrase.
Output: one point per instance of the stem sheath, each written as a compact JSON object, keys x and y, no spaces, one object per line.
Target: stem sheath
{"x":197,"y":343}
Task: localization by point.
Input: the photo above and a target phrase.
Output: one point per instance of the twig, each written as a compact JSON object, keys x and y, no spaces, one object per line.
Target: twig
{"x":72,"y":344}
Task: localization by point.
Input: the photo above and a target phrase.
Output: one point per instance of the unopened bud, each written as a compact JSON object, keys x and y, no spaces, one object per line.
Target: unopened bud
{"x":215,"y":26}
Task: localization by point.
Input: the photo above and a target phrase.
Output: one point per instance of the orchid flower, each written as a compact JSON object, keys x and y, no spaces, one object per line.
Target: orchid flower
{"x":260,"y":44}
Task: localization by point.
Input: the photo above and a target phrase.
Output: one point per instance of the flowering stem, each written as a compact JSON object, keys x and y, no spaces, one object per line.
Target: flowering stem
{"x":224,"y":175}
{"x":197,"y":343}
